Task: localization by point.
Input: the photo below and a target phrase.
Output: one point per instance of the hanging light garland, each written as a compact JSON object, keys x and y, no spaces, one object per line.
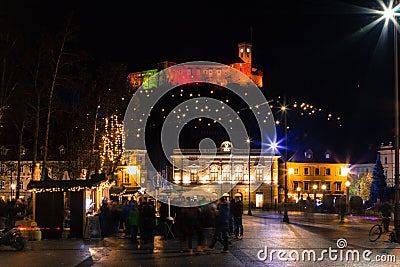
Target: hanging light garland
{"x":112,"y":142}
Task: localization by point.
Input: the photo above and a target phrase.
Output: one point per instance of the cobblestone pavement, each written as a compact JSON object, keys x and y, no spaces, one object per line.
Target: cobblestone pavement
{"x":308,"y":240}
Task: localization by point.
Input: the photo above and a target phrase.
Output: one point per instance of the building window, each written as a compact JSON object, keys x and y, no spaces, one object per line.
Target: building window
{"x":386,"y":160}
{"x":2,"y":169}
{"x":338,"y":186}
{"x":295,"y":185}
{"x":327,"y":155}
{"x":259,"y":174}
{"x":3,"y":151}
{"x":193,"y":175}
{"x":328,"y":171}
{"x":2,"y":184}
{"x":226,"y":173}
{"x":214,"y":173}
{"x":316,"y":171}
{"x":305,"y":186}
{"x":238,"y":174}
{"x":308,"y":154}
{"x":21,"y":185}
{"x":306,"y":171}
{"x":126,"y":177}
{"x":296,"y":171}
{"x":328,"y":186}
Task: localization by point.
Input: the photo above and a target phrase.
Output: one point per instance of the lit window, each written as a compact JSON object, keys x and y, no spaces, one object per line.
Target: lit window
{"x":308,"y":154}
{"x":295,"y":185}
{"x":214,"y":173}
{"x":259,"y":174}
{"x":238,"y":173}
{"x":338,"y":186}
{"x":328,"y":186}
{"x":328,"y":171}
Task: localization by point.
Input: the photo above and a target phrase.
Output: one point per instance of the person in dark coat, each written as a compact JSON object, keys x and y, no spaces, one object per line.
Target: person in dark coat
{"x":148,"y":220}
{"x":105,"y":218}
{"x":237,"y":212}
{"x":386,"y":211}
{"x":222,"y":225}
{"x":191,"y":226}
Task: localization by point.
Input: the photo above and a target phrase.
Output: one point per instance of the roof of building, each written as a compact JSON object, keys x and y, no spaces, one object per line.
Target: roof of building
{"x":311,"y":150}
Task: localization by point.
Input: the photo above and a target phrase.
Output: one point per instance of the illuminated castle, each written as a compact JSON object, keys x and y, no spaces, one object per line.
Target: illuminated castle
{"x":215,"y":73}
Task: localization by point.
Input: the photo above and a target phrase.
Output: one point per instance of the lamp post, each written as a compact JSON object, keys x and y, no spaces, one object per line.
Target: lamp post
{"x":323,"y":187}
{"x":298,"y":197}
{"x":347,"y":183}
{"x":285,"y":209}
{"x":390,"y":13}
{"x":315,"y":192}
{"x":220,"y":165}
{"x":13,"y":186}
{"x":248,"y":170}
{"x":12,"y":169}
{"x":396,"y":132}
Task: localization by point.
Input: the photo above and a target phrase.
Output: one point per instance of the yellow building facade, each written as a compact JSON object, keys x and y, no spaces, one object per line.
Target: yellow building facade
{"x":316,"y":180}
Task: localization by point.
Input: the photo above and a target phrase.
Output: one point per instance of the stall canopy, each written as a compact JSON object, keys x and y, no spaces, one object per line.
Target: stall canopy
{"x":56,"y":211}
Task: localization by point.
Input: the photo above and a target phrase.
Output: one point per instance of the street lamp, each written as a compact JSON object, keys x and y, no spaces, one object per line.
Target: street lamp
{"x":298,"y":193}
{"x":220,"y":165}
{"x":315,"y":192}
{"x":390,"y":13}
{"x":323,"y":187}
{"x":285,"y":209}
{"x":298,"y":196}
{"x":12,"y":169}
{"x":13,"y":186}
{"x":347,"y":183}
{"x":248,"y":171}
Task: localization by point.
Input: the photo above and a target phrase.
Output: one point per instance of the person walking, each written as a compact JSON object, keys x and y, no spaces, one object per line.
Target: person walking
{"x":133,"y":222}
{"x":222,"y":225}
{"x":237,"y":217}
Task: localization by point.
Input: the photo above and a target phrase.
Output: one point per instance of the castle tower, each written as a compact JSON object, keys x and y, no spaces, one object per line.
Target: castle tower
{"x":245,"y":52}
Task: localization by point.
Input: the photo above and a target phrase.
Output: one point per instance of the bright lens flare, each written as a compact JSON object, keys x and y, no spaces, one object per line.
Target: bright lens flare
{"x":389,"y":12}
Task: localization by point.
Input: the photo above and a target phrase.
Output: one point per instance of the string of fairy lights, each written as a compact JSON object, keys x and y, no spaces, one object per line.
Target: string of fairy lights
{"x":112,"y":141}
{"x":304,"y":109}
{"x":300,"y":107}
{"x":97,"y":187}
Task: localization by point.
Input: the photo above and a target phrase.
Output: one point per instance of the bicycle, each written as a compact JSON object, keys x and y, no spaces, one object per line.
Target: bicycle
{"x":378,"y":229}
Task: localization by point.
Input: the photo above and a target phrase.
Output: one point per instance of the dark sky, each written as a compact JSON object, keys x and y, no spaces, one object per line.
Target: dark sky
{"x":315,"y":51}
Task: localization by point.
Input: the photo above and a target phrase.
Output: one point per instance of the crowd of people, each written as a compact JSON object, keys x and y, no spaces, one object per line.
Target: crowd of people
{"x":202,"y":223}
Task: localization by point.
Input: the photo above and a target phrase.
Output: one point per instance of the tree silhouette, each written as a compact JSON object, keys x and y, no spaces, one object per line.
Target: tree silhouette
{"x":378,"y":184}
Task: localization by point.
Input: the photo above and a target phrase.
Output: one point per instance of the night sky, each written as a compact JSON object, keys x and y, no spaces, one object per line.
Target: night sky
{"x":316,"y":51}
